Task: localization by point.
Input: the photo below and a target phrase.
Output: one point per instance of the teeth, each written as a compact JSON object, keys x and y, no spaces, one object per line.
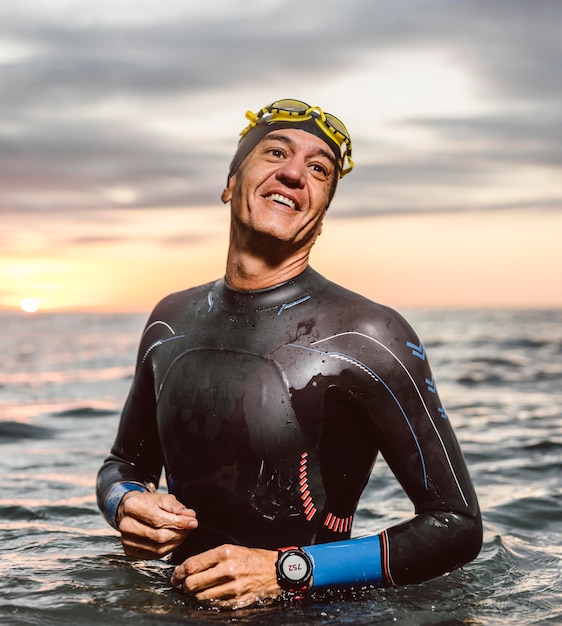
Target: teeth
{"x":277,"y":197}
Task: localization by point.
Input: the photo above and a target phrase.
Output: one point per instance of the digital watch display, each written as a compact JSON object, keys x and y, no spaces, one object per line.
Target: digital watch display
{"x":294,"y":569}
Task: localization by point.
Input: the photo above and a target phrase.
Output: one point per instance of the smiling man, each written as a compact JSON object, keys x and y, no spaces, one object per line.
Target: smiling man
{"x":267,"y":397}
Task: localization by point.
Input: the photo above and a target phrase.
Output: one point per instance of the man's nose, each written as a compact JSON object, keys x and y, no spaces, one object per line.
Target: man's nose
{"x":293,"y":172}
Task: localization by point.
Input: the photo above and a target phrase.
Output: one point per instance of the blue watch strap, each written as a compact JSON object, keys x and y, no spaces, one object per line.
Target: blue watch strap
{"x":114,"y":497}
{"x":345,"y":563}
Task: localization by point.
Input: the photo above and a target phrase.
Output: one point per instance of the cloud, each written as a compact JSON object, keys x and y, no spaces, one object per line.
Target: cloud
{"x":86,"y":88}
{"x":513,"y":137}
{"x":93,"y":240}
{"x":178,"y":239}
{"x":61,"y":163}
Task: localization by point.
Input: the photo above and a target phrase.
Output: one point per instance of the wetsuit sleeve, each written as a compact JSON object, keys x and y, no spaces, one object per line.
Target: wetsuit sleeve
{"x":411,"y":429}
{"x":135,"y":460}
{"x":418,"y":443}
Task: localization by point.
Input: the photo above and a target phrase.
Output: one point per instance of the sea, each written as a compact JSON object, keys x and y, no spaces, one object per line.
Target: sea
{"x":64,"y":378}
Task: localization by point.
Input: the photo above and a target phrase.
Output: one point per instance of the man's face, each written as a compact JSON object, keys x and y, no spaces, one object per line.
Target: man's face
{"x":282,"y":188}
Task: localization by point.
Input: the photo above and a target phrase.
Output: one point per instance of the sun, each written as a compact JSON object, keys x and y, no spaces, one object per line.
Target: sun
{"x":29,"y":305}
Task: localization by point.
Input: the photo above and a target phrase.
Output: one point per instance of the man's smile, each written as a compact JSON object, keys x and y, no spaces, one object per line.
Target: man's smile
{"x":280,"y":199}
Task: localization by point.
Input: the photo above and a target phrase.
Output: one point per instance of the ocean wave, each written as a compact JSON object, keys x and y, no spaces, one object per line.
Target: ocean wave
{"x":479,"y":377}
{"x":19,"y":512}
{"x":498,"y":362}
{"x":478,"y":373}
{"x":66,"y":376}
{"x":83,"y":411}
{"x":545,"y":375}
{"x":546,"y":445}
{"x":524,"y":343}
{"x":10,"y":431}
{"x":528,"y":513}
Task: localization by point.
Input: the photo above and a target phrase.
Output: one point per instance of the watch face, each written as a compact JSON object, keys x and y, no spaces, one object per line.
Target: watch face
{"x":295,"y":567}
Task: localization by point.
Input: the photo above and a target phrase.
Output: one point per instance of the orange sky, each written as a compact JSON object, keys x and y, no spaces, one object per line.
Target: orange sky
{"x":110,"y":180}
{"x":472,"y":259}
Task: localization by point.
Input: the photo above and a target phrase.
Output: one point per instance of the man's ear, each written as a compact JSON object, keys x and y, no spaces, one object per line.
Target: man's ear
{"x":226,"y":195}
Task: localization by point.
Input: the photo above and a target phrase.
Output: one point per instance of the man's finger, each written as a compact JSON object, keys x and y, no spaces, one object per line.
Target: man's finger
{"x":171,"y":504}
{"x":204,"y":570}
{"x":159,"y":514}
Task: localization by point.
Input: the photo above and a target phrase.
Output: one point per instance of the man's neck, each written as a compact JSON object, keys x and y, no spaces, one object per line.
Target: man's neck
{"x":248,"y":272}
{"x":259,"y":261}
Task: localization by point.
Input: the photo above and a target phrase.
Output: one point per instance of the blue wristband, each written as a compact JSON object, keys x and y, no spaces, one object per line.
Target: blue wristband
{"x":113,"y":500}
{"x":346,"y":563}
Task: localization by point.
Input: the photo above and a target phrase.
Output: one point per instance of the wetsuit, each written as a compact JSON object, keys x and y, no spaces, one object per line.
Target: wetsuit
{"x":267,"y":410}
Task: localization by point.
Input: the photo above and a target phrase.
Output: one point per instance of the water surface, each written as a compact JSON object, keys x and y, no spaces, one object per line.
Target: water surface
{"x":63,"y":379}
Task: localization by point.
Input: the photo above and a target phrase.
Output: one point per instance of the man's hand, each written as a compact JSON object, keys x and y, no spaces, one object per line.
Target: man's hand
{"x":153,"y":524}
{"x":229,"y":576}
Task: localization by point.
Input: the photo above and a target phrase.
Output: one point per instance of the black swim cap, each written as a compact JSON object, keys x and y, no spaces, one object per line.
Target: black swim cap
{"x":254,"y":135}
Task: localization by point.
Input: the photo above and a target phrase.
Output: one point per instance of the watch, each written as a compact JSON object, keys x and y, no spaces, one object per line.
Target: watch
{"x":294,"y":569}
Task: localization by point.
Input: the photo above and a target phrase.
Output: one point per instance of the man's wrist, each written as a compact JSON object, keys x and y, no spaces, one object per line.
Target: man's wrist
{"x":114,"y":498}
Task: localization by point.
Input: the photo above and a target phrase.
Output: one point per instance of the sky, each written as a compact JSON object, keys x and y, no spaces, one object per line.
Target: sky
{"x":118,"y":120}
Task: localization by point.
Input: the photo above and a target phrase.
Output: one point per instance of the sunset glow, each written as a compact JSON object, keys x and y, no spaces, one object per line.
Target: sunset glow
{"x":474,"y":259}
{"x":29,"y":305}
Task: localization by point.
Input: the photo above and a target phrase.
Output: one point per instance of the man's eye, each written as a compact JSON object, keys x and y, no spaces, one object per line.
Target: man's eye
{"x":276,"y":152}
{"x":320,"y":169}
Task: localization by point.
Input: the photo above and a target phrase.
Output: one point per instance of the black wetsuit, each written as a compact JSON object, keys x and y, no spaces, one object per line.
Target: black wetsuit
{"x":267,"y":410}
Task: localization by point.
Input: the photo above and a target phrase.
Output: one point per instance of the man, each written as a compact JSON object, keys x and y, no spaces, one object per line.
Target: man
{"x":267,"y":396}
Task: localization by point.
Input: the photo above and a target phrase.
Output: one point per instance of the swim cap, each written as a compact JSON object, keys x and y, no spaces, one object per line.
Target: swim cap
{"x":299,"y":115}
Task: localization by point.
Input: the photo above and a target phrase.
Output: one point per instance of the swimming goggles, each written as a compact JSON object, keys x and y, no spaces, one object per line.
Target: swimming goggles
{"x":298,"y":111}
